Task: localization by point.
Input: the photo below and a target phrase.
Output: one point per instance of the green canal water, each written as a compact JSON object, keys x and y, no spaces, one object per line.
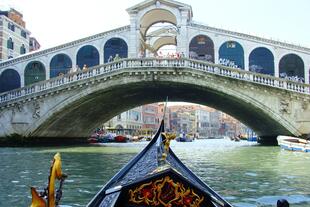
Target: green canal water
{"x":246,"y":174}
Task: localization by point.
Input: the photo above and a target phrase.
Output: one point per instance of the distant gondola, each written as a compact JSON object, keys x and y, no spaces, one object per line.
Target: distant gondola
{"x":156,"y":177}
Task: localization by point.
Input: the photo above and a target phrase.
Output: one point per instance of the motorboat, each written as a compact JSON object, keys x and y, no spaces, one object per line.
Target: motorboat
{"x":293,"y":143}
{"x":184,"y":138}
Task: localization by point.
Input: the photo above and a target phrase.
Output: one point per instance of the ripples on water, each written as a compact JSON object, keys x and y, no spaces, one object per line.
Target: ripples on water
{"x":245,"y":174}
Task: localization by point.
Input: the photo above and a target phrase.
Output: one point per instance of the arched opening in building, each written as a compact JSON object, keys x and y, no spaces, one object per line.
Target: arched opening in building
{"x":9,"y":80}
{"x":261,"y":60}
{"x":231,"y":54}
{"x":201,"y":47}
{"x":119,"y":127}
{"x":292,"y":66}
{"x":167,"y":51}
{"x":156,"y":16}
{"x":158,"y":36}
{"x":60,"y":64}
{"x":157,"y":28}
{"x":87,"y":55}
{"x":115,"y":47}
{"x":34,"y":72}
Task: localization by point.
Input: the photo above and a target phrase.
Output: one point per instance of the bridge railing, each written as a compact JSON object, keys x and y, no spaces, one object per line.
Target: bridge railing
{"x":250,"y":76}
{"x":151,"y":63}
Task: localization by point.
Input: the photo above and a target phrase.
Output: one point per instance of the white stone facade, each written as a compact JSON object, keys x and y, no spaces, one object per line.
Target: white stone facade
{"x":148,"y":13}
{"x":131,"y":119}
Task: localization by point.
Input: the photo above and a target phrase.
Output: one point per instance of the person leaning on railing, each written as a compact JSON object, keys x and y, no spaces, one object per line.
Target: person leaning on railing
{"x":117,"y":57}
{"x":110,"y":59}
{"x":84,"y":67}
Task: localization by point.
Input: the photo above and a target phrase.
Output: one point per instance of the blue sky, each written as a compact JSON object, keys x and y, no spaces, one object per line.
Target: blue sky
{"x":60,"y":21}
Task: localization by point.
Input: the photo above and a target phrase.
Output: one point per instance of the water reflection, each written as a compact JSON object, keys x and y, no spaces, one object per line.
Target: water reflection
{"x":246,"y":174}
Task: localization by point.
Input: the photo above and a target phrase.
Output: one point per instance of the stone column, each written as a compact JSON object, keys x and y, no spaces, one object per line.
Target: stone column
{"x":276,"y":67}
{"x":133,"y":47}
{"x":277,"y":56}
{"x":307,"y":71}
{"x":182,"y":41}
{"x":101,"y":54}
{"x":216,"y":49}
{"x":72,"y":54}
{"x":246,"y":58}
{"x":22,"y":74}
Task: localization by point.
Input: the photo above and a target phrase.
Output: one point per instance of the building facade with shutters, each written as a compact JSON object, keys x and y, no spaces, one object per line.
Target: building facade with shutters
{"x":14,"y":37}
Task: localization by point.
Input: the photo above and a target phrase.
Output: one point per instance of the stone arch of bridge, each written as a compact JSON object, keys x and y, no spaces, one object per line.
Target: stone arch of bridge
{"x":89,"y":108}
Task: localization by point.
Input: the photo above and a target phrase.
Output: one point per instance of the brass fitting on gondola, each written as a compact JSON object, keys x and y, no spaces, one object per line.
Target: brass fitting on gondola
{"x":51,"y":200}
{"x":166,"y":143}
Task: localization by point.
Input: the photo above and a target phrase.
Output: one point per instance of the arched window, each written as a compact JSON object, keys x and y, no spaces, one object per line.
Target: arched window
{"x":88,"y":55}
{"x":201,"y":47}
{"x":34,"y":72}
{"x":261,"y":60}
{"x":9,"y":80}
{"x":10,"y":44}
{"x":231,"y":54}
{"x":292,"y":65}
{"x":60,"y":64}
{"x":22,"y":49}
{"x":115,"y":46}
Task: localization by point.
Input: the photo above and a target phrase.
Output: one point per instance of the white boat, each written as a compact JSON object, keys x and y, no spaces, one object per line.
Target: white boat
{"x":293,"y":143}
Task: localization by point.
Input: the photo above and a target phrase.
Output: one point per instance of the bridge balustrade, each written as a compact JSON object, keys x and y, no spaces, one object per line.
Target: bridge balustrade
{"x":29,"y":90}
{"x":146,"y":63}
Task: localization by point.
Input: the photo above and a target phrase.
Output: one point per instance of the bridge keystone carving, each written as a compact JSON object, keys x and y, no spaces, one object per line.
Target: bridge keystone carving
{"x":285,"y":106}
{"x":36,"y":109}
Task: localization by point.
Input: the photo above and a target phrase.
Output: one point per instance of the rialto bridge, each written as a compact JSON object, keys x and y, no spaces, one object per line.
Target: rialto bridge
{"x":250,"y":78}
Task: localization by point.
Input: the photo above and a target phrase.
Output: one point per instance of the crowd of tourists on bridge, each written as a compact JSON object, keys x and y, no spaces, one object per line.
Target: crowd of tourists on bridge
{"x":292,"y":78}
{"x":112,"y":59}
{"x":177,"y":55}
{"x":74,"y":69}
{"x":160,"y":54}
{"x":228,"y":63}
